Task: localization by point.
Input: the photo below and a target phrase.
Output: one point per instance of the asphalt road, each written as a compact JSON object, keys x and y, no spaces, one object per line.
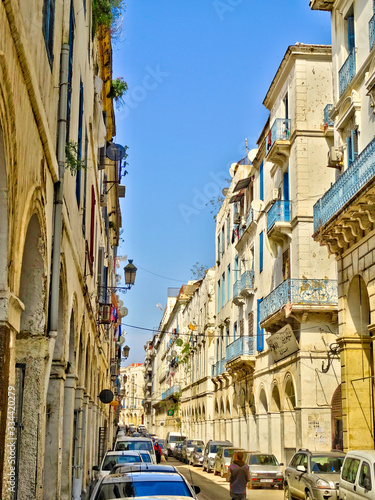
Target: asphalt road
{"x":215,"y":488}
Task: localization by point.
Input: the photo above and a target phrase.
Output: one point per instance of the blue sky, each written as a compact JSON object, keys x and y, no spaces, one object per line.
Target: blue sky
{"x":197,"y":73}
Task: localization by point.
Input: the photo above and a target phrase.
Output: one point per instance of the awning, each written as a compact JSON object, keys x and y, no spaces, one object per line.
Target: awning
{"x":242,"y":184}
{"x":237,"y":197}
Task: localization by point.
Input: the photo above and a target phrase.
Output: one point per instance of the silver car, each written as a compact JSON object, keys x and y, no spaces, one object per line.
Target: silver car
{"x":313,"y":475}
{"x":222,"y":459}
{"x":265,"y":470}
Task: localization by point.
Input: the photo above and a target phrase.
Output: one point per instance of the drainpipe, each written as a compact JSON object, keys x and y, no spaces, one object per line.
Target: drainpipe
{"x":59,"y":190}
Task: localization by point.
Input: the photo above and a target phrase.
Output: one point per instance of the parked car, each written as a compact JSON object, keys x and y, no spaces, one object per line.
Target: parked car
{"x":172,"y":439}
{"x":188,"y":447}
{"x":196,"y":456}
{"x":112,"y":458}
{"x":265,"y":470}
{"x":177,"y":451}
{"x":136,"y":444}
{"x":357,"y":479}
{"x":222,"y":459}
{"x":143,"y":481}
{"x":210,"y":451}
{"x":313,"y":475}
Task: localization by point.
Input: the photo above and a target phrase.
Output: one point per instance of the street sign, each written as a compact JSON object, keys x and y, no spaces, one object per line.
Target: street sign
{"x":170,"y":413}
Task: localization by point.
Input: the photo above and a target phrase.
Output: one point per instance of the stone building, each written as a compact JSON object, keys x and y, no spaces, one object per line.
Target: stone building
{"x":344,"y":216}
{"x":132,"y":388}
{"x":57,"y":247}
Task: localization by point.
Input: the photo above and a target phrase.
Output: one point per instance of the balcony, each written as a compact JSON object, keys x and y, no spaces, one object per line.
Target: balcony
{"x":371,"y":30}
{"x":243,"y":287}
{"x":237,"y":297}
{"x":297,"y":296}
{"x":349,"y":203}
{"x":347,"y":72}
{"x":278,"y":141}
{"x":328,"y":123}
{"x":240,"y":353}
{"x":279,"y":229}
{"x":172,"y":390}
{"x":218,"y":368}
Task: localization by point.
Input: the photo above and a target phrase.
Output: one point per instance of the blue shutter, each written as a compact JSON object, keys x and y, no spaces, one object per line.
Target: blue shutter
{"x":286,"y":185}
{"x":223,"y":290}
{"x":354,"y":143}
{"x":351,"y":36}
{"x":260,"y":332}
{"x":261,"y":180}
{"x":261,"y":252}
{"x":70,"y":70}
{"x":228,"y":279}
{"x":49,"y":27}
{"x":218,"y":296}
{"x":349,"y":150}
{"x":79,"y":155}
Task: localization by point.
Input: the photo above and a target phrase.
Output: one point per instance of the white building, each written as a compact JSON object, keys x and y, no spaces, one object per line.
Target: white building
{"x":132,"y":390}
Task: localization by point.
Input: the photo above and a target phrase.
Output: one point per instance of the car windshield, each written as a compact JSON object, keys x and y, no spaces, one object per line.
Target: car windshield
{"x":134,"y":445}
{"x":127,"y":489}
{"x":263,"y":460}
{"x":326,"y":464}
{"x":198,"y":449}
{"x":228,"y":453}
{"x":145,"y":456}
{"x":215,"y":447}
{"x":111,"y":460}
{"x":176,"y":439}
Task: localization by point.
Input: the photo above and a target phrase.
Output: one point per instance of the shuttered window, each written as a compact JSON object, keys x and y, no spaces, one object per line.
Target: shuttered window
{"x":242,"y":327}
{"x":261,"y":252}
{"x":260,"y":333}
{"x":70,"y":71}
{"x":250,"y":324}
{"x":49,"y":27}
{"x":261,"y":182}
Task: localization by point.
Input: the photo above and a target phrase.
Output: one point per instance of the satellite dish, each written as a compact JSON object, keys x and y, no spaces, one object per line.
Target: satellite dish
{"x":124,"y":311}
{"x":232,"y":169}
{"x":169,"y":357}
{"x":173,"y":354}
{"x":120,"y":303}
{"x":252,"y":154}
{"x":225,"y":191}
{"x":257,"y":205}
{"x":106,"y":396}
{"x":121,"y":340}
{"x":115,"y":152}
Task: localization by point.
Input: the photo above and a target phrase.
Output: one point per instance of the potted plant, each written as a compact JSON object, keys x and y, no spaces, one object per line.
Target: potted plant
{"x":118,"y":90}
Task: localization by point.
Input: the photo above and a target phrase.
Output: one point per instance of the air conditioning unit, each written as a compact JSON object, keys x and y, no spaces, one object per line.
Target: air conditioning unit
{"x":103,"y":200}
{"x":105,"y":314}
{"x":335,"y":157}
{"x":275,"y":194}
{"x":121,"y":191}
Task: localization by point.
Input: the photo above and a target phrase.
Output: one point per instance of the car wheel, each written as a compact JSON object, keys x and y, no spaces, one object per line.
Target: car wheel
{"x":307,"y":495}
{"x":222,"y":474}
{"x":287,"y":495}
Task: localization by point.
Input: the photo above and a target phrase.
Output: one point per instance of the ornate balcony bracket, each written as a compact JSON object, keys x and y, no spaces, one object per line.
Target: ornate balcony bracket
{"x":280,"y":233}
{"x":279,"y":153}
{"x":238,"y":300}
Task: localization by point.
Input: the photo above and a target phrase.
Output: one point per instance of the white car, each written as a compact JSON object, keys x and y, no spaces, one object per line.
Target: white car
{"x":112,"y":458}
{"x":136,"y":444}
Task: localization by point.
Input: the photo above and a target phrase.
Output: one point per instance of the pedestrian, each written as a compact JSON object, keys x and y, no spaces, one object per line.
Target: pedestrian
{"x":158,"y":452}
{"x":238,"y":477}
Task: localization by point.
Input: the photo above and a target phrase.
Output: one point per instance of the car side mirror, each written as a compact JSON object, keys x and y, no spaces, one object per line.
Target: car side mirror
{"x":301,"y":468}
{"x":196,"y":489}
{"x":95,"y":467}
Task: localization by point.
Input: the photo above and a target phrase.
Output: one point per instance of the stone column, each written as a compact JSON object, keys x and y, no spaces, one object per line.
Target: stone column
{"x":68,"y":430}
{"x":54,"y":433}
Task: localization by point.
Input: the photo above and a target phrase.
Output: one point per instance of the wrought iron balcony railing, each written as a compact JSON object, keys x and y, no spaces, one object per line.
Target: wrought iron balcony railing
{"x":170,"y":391}
{"x":371,"y":30}
{"x":247,"y":280}
{"x":307,"y":292}
{"x":218,"y":368}
{"x":237,"y":288}
{"x":240,"y":347}
{"x":355,"y":177}
{"x":280,"y":131}
{"x":327,"y":121}
{"x":347,"y":72}
{"x":279,"y":212}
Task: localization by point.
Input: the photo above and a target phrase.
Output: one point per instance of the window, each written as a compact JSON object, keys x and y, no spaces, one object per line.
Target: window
{"x":350,"y":30}
{"x":48,"y":27}
{"x":242,"y":327}
{"x":222,"y":241}
{"x":350,"y":469}
{"x":223,"y":290}
{"x":228,"y":281}
{"x":260,"y":333}
{"x":286,"y":185}
{"x":365,"y":477}
{"x":286,"y":106}
{"x":236,"y":268}
{"x":79,"y":153}
{"x":228,"y":232}
{"x":250,"y":324}
{"x":92,"y":224}
{"x":352,"y":146}
{"x":261,"y":252}
{"x":218,"y":296}
{"x":227,"y":340}
{"x":218,"y":248}
{"x":286,"y":264}
{"x":261,"y":182}
{"x":70,"y":71}
{"x":235,"y":331}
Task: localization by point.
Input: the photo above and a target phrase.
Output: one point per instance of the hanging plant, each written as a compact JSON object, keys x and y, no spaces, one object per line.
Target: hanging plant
{"x":179,"y":342}
{"x":107,"y":14}
{"x":118,"y":90}
{"x":72,"y":160}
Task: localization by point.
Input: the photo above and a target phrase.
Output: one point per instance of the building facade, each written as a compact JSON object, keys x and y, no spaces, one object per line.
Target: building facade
{"x":57,"y":248}
{"x":344,"y":216}
{"x":132,"y":385}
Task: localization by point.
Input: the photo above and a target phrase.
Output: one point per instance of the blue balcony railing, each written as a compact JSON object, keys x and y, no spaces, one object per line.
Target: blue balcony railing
{"x":240,"y":347}
{"x":307,"y":292}
{"x":218,"y":368}
{"x":247,"y":280}
{"x":279,"y":212}
{"x":347,"y":72}
{"x":237,"y":288}
{"x":371,"y":31}
{"x":355,"y":177}
{"x":170,"y":391}
{"x":249,"y":217}
{"x":327,"y":121}
{"x":280,"y":131}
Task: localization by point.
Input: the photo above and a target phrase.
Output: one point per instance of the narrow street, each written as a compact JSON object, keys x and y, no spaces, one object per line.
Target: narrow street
{"x":215,"y":487}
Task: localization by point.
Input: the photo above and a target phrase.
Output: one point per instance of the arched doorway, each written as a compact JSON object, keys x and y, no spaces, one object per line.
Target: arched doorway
{"x":276,"y":422}
{"x":336,"y":420}
{"x":290,"y":424}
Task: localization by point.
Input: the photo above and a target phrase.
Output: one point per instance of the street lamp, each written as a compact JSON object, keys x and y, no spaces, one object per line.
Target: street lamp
{"x":130,"y":272}
{"x":125,"y":351}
